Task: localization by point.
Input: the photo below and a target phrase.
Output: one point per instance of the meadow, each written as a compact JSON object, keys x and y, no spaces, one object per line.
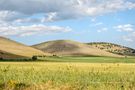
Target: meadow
{"x":88,"y":59}
{"x":68,"y":75}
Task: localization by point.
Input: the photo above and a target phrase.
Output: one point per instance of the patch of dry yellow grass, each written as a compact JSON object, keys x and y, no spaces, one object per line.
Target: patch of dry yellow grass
{"x":12,"y":47}
{"x":67,"y":76}
{"x":67,"y":47}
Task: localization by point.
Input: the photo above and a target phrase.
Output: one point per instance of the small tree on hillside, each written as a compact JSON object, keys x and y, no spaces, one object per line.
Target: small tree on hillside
{"x":1,"y":58}
{"x":34,"y":58}
{"x":133,"y":51}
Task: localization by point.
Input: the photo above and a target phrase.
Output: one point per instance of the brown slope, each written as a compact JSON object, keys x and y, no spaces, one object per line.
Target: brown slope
{"x":12,"y":49}
{"x":6,"y":55}
{"x":67,"y":47}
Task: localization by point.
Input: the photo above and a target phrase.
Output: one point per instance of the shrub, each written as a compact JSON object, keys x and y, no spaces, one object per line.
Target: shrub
{"x":1,"y":58}
{"x":54,"y":55}
{"x":34,"y":58}
{"x":133,"y":51}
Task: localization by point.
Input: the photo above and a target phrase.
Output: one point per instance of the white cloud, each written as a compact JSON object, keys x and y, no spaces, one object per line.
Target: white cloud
{"x":10,"y":15}
{"x":130,"y":32}
{"x":102,"y":30}
{"x":54,"y":10}
{"x":46,"y":18}
{"x":10,"y":30}
{"x":98,"y":24}
{"x":130,"y":37}
{"x":49,"y":17}
{"x":129,"y":28}
{"x":93,"y":20}
{"x":18,"y":13}
{"x":125,"y":28}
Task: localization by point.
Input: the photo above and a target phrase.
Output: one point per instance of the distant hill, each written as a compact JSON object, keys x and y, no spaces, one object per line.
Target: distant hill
{"x":71,"y":48}
{"x":10,"y":49}
{"x":113,"y":48}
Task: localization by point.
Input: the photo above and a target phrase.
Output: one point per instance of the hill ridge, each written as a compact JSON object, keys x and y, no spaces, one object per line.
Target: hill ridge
{"x":12,"y":47}
{"x":69,"y":47}
{"x":113,"y":48}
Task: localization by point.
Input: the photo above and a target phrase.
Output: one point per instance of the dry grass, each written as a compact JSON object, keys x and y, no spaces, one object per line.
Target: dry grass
{"x":66,"y":76}
{"x":16,"y":49}
{"x":67,"y":47}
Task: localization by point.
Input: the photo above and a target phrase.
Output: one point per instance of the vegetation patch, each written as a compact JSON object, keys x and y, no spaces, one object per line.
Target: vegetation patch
{"x":113,"y":48}
{"x":66,"y":76}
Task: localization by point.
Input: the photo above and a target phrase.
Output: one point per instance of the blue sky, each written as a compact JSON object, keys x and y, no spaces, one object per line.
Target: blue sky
{"x":34,"y":21}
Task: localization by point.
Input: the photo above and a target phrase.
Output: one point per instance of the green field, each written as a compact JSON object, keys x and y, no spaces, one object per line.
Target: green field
{"x":68,"y":73}
{"x":90,"y":59}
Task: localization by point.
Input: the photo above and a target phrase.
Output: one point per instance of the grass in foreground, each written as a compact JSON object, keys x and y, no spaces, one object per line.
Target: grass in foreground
{"x":66,"y":76}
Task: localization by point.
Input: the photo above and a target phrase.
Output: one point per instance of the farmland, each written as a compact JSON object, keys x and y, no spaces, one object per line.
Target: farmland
{"x":88,"y":59}
{"x":67,"y":75}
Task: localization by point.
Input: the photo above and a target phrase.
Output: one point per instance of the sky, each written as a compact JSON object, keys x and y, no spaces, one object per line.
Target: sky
{"x":35,"y":21}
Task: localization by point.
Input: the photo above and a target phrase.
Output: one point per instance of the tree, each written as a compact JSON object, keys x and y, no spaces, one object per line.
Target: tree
{"x":54,"y":55}
{"x":1,"y":58}
{"x":133,"y":51}
{"x":34,"y":58}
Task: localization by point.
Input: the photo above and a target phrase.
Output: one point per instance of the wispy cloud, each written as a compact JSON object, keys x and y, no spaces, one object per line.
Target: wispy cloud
{"x":102,"y":30}
{"x":9,"y":30}
{"x":98,"y":24}
{"x":130,"y":37}
{"x":130,"y":32}
{"x":125,"y":28}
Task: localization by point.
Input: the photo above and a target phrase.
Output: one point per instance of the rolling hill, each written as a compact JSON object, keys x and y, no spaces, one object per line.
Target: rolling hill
{"x":113,"y":48}
{"x":71,"y":48}
{"x":10,"y":49}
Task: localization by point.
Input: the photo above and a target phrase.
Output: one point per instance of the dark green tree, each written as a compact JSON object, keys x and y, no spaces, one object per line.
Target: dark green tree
{"x":1,"y":58}
{"x":34,"y":58}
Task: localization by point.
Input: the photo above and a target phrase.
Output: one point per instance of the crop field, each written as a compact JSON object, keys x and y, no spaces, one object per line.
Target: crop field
{"x":89,"y":59}
{"x":67,"y":75}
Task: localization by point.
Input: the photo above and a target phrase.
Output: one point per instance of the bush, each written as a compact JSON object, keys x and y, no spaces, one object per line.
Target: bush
{"x":34,"y":58}
{"x":54,"y":55}
{"x":1,"y":58}
{"x":133,"y":51}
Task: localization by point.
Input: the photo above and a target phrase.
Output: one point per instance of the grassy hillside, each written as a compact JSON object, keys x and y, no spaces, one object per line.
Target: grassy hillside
{"x":6,"y":55}
{"x":12,"y":49}
{"x":113,"y":48}
{"x":71,"y":48}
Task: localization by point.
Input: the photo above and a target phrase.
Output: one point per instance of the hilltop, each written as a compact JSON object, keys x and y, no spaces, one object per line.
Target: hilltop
{"x":71,"y":48}
{"x":12,"y":49}
{"x":113,"y":48}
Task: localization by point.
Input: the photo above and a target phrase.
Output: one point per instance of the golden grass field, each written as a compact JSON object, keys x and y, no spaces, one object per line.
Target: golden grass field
{"x":66,"y":76}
